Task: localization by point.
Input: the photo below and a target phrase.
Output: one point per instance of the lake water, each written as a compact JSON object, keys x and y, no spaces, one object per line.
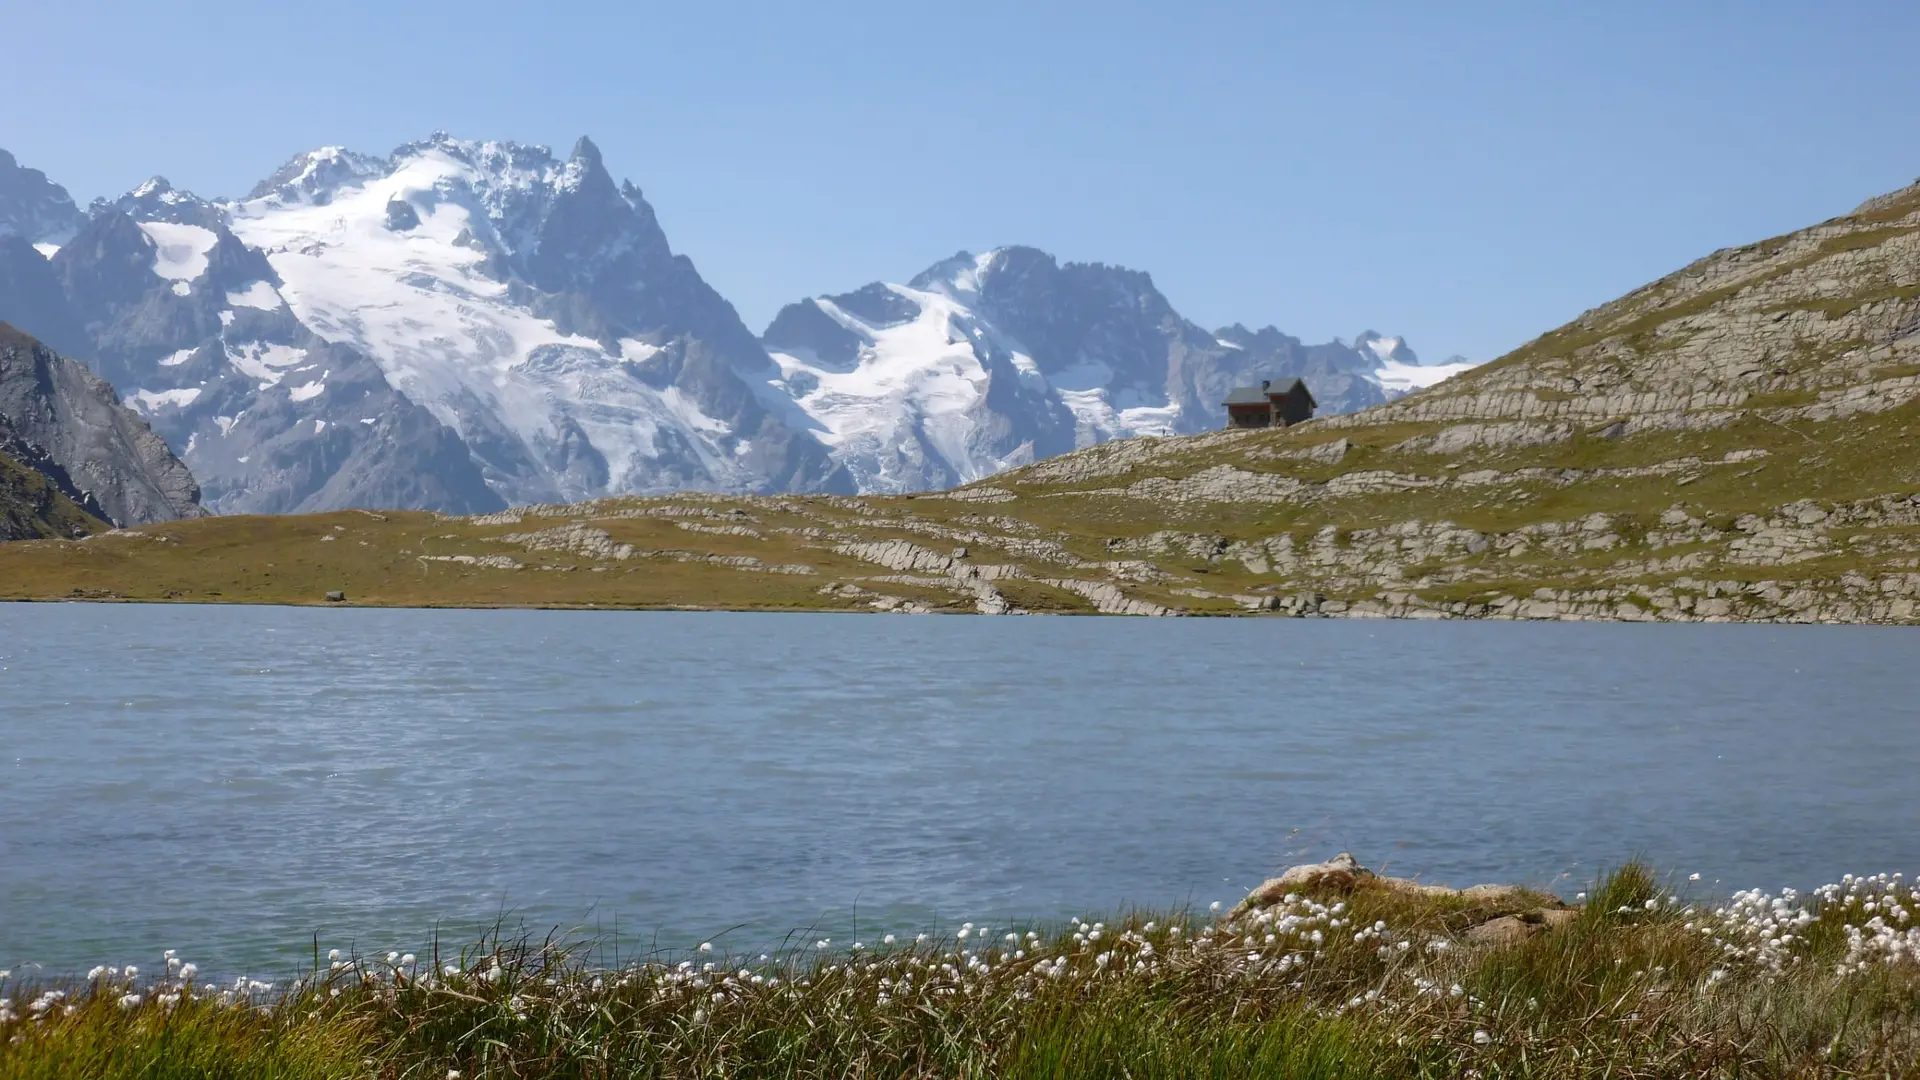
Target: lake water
{"x":234,"y":781}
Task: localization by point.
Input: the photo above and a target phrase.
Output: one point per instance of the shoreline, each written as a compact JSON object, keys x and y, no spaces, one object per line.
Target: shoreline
{"x":1362,"y":611}
{"x":1325,"y":970}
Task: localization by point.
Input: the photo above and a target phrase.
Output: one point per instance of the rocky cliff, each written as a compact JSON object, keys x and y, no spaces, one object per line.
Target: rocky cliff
{"x":67,"y":424}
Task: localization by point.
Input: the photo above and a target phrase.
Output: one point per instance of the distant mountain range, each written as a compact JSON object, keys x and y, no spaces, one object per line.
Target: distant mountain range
{"x":461,"y":326}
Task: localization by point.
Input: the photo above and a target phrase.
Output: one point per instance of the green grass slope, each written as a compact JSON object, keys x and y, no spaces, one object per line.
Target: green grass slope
{"x":33,"y":507}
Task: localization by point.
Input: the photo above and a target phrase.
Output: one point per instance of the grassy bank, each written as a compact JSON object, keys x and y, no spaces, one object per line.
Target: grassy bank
{"x":1362,"y":982}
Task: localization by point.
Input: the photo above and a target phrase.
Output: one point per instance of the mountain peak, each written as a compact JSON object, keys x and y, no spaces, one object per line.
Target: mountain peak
{"x":33,"y":206}
{"x":158,"y":200}
{"x":311,"y":176}
{"x":586,"y":153}
{"x":961,"y":274}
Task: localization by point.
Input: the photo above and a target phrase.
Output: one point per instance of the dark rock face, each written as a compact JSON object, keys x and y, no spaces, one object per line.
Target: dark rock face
{"x":103,"y":452}
{"x":32,"y":207}
{"x":804,"y":328}
{"x":31,"y":296}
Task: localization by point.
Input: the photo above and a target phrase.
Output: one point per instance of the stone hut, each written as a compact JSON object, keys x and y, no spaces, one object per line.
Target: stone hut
{"x":1274,"y":403}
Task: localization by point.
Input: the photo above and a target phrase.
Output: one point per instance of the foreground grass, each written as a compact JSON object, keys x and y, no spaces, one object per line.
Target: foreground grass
{"x":1372,"y":982}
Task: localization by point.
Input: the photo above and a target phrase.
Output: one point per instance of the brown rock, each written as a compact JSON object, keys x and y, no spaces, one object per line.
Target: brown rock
{"x":1338,"y":874}
{"x":1343,"y":873}
{"x":1505,"y":930}
{"x":1553,"y":918}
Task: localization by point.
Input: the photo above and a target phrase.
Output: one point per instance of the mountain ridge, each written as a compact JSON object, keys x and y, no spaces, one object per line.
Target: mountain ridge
{"x":540,"y":341}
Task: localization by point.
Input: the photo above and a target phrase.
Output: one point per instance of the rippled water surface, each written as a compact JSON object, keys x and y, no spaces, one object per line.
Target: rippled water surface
{"x":233,"y":781}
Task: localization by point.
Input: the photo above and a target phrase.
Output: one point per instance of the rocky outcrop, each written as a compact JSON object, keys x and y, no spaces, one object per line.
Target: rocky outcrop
{"x":35,"y":506}
{"x":69,"y":424}
{"x":1496,"y":915}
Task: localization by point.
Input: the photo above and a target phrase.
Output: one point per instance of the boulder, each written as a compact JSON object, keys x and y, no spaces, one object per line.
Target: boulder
{"x":1509,"y":929}
{"x":1338,"y":874}
{"x":1343,"y":873}
{"x":1505,"y":930}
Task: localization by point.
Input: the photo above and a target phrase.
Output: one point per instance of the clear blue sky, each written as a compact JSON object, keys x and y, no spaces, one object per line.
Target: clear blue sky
{"x":1466,"y":174}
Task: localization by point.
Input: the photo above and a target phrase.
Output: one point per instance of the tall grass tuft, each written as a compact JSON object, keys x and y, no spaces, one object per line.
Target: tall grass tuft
{"x":1374,"y":981}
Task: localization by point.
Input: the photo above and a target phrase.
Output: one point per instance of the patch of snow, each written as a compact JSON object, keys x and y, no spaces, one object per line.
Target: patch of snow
{"x":307,"y":391}
{"x":369,"y":420}
{"x":319,"y":426}
{"x":226,"y":319}
{"x":1384,"y":348}
{"x":966,"y":283}
{"x":181,"y":288}
{"x":1225,"y":344}
{"x":146,"y":401}
{"x":260,"y":295}
{"x":243,"y":458}
{"x":636,"y":350}
{"x":179,"y":251}
{"x":225,"y":423}
{"x":263,"y":361}
{"x":192,"y":438}
{"x":176,"y":359}
{"x":46,"y":250}
{"x":1099,"y":418}
{"x":1394,"y":376}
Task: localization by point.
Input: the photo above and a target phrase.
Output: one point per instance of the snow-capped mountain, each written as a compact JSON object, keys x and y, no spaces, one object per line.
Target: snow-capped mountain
{"x":535,"y":309}
{"x":465,"y":325}
{"x":988,"y":361}
{"x":456,"y":326}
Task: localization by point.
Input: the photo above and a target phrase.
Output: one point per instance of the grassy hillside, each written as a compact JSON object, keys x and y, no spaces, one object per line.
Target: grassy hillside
{"x":1734,"y":441}
{"x":32,"y":507}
